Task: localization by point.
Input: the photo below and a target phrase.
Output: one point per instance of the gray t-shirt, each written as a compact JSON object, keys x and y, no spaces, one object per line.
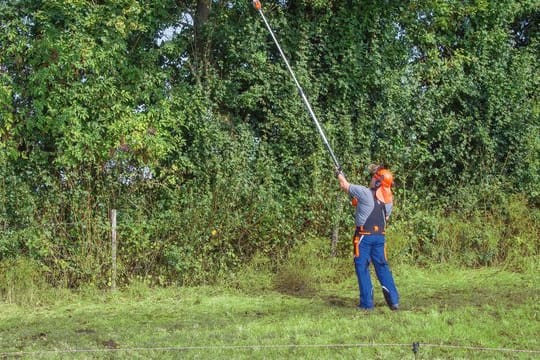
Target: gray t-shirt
{"x":365,"y":203}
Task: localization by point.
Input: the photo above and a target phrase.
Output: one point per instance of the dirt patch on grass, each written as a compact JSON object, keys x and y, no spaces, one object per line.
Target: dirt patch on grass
{"x":340,"y":301}
{"x":294,"y":282}
{"x":475,"y":296}
{"x":110,"y":344}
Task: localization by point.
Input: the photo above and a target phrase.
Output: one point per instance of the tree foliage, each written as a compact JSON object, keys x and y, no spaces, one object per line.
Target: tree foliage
{"x":182,"y":115}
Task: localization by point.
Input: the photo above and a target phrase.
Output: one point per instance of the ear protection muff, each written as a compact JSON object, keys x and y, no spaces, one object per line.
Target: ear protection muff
{"x":378,"y":179}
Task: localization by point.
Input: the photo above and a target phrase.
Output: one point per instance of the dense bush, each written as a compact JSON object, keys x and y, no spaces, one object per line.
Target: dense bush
{"x":184,"y":119}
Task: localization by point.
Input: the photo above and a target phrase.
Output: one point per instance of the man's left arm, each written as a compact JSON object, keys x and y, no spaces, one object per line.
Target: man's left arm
{"x":388,"y":210}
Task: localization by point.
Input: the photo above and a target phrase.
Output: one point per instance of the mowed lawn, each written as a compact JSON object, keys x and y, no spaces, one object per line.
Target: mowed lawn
{"x":447,"y":313}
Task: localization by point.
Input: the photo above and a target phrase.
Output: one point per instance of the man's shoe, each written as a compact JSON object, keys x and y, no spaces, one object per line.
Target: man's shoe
{"x":394,"y":307}
{"x":360,"y":308}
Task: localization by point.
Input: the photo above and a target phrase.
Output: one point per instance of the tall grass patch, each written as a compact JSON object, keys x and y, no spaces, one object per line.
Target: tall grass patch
{"x":308,"y":266}
{"x":21,"y":282}
{"x":487,"y":231}
{"x":254,"y":276}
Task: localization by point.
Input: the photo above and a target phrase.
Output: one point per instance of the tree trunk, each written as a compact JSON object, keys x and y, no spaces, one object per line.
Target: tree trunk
{"x":201,"y":41}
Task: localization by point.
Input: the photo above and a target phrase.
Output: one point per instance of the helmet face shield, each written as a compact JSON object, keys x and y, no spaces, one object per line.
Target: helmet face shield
{"x":384,"y":195}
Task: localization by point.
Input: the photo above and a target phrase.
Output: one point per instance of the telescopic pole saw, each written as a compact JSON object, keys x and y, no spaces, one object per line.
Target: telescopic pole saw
{"x":258,"y":7}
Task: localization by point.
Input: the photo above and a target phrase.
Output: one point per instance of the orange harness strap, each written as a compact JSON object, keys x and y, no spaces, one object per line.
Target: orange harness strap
{"x":356,"y":244}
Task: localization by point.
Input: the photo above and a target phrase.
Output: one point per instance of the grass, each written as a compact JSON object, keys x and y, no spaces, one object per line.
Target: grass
{"x":487,"y":313}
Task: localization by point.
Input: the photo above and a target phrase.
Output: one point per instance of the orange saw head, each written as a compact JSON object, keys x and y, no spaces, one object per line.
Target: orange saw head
{"x":257,"y":4}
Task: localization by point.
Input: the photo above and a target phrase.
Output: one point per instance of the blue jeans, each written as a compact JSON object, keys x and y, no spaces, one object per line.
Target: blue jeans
{"x":371,"y":248}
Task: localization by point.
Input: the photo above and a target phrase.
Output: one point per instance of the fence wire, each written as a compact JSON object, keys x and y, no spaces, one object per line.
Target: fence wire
{"x":416,"y":348}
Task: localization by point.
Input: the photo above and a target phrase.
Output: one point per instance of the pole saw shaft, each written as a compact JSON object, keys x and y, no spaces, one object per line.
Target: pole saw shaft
{"x":258,"y":7}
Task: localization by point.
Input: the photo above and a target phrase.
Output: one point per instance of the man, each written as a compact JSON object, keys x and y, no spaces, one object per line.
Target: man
{"x":373,"y":207}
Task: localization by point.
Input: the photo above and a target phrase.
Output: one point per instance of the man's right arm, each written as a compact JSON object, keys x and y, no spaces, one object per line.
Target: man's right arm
{"x":343,"y":183}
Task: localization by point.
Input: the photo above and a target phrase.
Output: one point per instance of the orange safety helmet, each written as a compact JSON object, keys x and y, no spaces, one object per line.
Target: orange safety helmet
{"x":383,"y":183}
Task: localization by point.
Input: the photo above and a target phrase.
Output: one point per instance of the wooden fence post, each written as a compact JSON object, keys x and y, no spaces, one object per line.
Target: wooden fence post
{"x":113,"y":247}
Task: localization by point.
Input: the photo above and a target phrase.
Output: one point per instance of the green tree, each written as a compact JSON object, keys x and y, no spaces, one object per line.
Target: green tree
{"x":182,"y":115}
